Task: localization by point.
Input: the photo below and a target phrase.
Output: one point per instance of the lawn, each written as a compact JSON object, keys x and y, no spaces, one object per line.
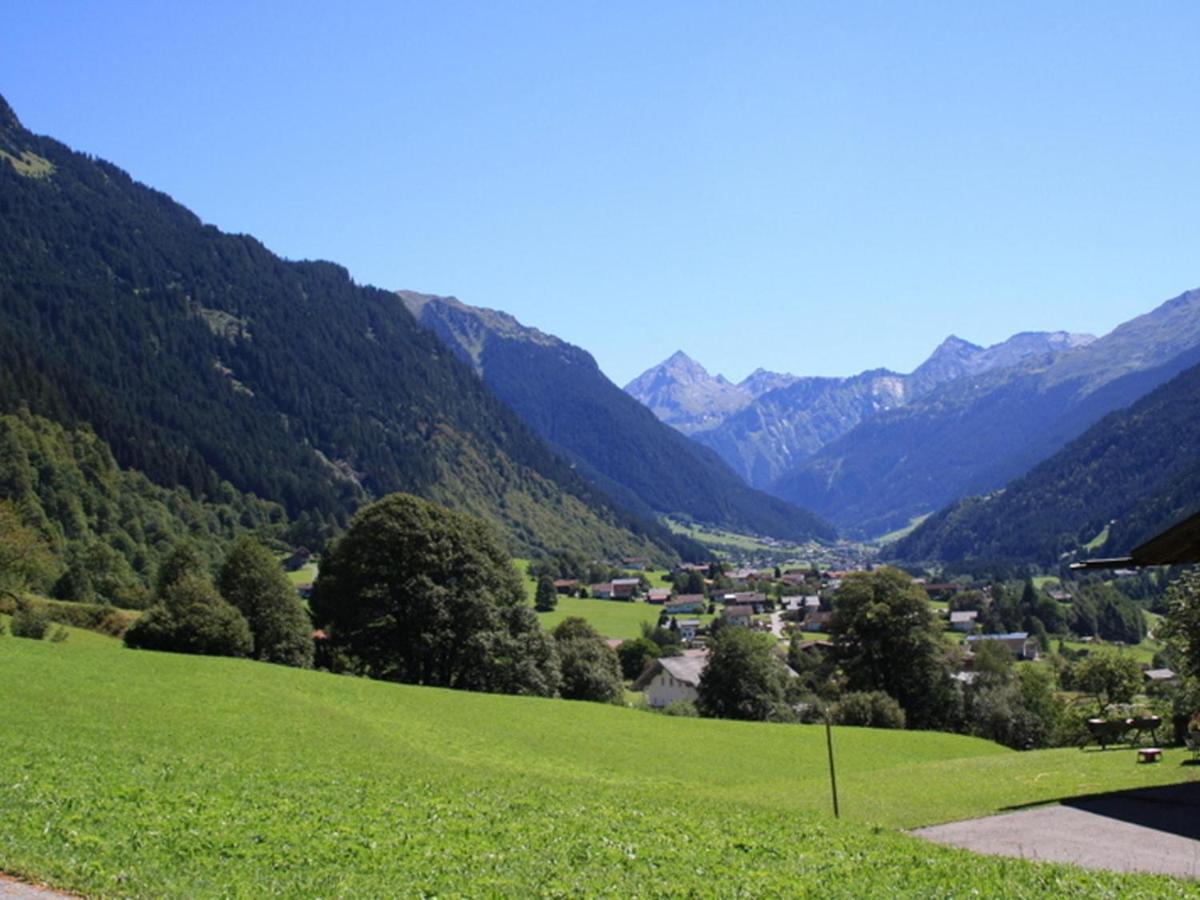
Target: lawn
{"x":612,"y":618}
{"x":134,"y":773}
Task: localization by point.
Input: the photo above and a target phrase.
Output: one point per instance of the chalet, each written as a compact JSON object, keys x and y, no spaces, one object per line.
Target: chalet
{"x":963,"y":620}
{"x":658,"y":596}
{"x":1019,"y":642}
{"x":566,"y":585}
{"x":817,"y":620}
{"x":688,"y":628}
{"x":633,"y":564}
{"x":686,"y":603}
{"x":795,"y":579}
{"x":758,"y":601}
{"x":625,"y":588}
{"x":1060,"y":596}
{"x":1160,"y":676}
{"x":617,"y":589}
{"x":671,"y":678}
{"x":738,"y":615}
{"x":305,"y":590}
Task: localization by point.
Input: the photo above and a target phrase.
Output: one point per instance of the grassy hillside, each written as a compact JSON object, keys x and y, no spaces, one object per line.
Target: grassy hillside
{"x":141,"y":774}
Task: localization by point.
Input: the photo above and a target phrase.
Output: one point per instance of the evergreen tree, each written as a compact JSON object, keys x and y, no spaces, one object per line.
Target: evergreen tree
{"x":546,"y":598}
{"x":253,"y":581}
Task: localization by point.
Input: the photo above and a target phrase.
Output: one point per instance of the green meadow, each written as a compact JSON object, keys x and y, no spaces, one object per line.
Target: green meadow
{"x":131,"y":773}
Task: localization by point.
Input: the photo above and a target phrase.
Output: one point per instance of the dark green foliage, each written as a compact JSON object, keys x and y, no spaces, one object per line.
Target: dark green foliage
{"x":690,"y":582}
{"x":545,"y":598}
{"x":616,"y":442}
{"x":634,"y":655}
{"x":253,"y":581}
{"x":1181,"y":629}
{"x":665,"y":636}
{"x":886,"y":639}
{"x":30,"y":621}
{"x":1100,"y":610}
{"x":589,"y":667}
{"x":109,"y":528}
{"x":203,"y":359}
{"x":182,"y":560}
{"x":744,"y":679}
{"x":191,"y":617}
{"x":1134,"y":473}
{"x":414,"y":592}
{"x":75,"y":584}
{"x":868,"y":709}
{"x":26,"y":560}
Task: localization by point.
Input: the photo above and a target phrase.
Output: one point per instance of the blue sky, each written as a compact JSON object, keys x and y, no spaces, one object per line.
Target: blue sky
{"x":817,"y":188}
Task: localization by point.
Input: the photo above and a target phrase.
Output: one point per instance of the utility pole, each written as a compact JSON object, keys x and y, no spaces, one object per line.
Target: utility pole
{"x":832,"y":771}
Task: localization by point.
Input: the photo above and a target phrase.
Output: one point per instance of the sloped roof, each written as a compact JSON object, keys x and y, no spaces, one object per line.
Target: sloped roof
{"x":686,"y":669}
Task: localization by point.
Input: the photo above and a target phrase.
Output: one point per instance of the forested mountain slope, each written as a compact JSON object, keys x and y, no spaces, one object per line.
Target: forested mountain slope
{"x":973,"y":434}
{"x":108,"y":529}
{"x":1129,"y":476}
{"x":560,"y":392}
{"x":201,"y":358}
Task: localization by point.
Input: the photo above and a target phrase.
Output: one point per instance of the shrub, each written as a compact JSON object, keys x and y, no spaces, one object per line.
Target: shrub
{"x":192,"y":618}
{"x":30,"y":621}
{"x":870,"y":709}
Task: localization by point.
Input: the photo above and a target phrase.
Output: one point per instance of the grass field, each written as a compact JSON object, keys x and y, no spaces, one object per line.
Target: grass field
{"x":612,"y":618}
{"x":130,"y":773}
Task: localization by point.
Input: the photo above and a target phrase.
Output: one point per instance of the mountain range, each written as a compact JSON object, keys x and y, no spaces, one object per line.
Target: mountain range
{"x":615,"y":442}
{"x":781,"y":420}
{"x":206,"y":362}
{"x":873,"y":451}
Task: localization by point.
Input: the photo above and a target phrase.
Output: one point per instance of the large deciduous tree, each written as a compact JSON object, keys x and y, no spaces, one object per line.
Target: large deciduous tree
{"x":253,"y":581}
{"x":886,"y":639}
{"x":414,"y":592}
{"x":589,"y":667}
{"x":743,"y":679}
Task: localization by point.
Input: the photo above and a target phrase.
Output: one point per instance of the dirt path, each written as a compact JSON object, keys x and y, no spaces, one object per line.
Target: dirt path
{"x":1149,"y":830}
{"x":11,"y":889}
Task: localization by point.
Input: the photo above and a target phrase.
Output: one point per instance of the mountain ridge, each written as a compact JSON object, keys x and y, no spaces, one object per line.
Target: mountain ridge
{"x":618,"y":444}
{"x":202,"y":358}
{"x":973,"y":434}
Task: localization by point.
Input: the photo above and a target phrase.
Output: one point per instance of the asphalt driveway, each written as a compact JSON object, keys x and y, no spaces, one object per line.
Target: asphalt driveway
{"x":1147,"y":830}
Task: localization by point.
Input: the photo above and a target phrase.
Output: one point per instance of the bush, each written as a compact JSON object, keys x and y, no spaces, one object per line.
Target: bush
{"x":869,"y":709}
{"x":192,"y":618}
{"x":683,"y":708}
{"x":30,"y":621}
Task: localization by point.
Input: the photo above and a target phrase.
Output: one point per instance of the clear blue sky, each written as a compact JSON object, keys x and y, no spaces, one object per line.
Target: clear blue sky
{"x":811,"y":187}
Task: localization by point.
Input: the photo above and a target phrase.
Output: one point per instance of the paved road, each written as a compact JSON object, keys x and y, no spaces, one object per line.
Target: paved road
{"x":1149,"y":830}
